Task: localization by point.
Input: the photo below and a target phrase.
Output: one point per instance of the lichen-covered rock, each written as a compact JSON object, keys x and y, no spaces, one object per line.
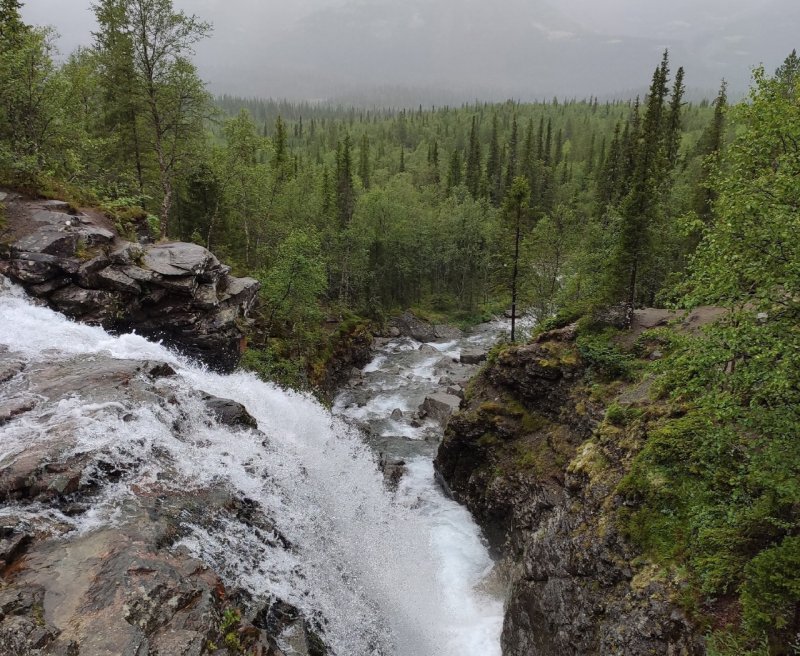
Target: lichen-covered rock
{"x":176,"y":292}
{"x":532,"y":458}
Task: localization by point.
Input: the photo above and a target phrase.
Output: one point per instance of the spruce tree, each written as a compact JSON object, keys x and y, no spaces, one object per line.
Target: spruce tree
{"x":548,"y":144}
{"x":345,"y":192}
{"x":528,"y":163}
{"x":511,"y":155}
{"x":515,"y":208}
{"x":673,"y":123}
{"x":454,"y":171}
{"x":540,"y":140}
{"x":709,"y":148}
{"x":608,"y":184}
{"x":473,"y":173}
{"x":363,"y":161}
{"x":494,"y":176}
{"x":559,"y":154}
{"x":434,"y":163}
{"x":642,"y":205}
{"x":590,"y":157}
{"x":280,"y":147}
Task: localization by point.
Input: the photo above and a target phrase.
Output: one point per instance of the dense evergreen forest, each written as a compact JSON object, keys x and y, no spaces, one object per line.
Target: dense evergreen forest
{"x":569,"y":206}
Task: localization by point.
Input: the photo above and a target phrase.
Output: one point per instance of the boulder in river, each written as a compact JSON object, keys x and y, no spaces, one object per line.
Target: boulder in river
{"x":440,"y":406}
{"x":472,"y":356}
{"x":393,"y":470}
{"x":228,"y":412}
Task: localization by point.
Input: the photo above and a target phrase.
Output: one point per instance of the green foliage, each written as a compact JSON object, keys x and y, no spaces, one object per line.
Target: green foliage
{"x":726,"y":643}
{"x":275,"y":363}
{"x":603,"y":356}
{"x":153,"y":224}
{"x":31,"y":112}
{"x":293,"y":285}
{"x":771,"y":588}
{"x":621,"y":415}
{"x":717,"y":488}
{"x":228,"y":629}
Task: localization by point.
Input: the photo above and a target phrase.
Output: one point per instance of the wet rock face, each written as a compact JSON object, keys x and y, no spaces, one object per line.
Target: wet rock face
{"x":524,"y":455}
{"x":127,"y":586}
{"x":229,"y":412}
{"x":176,"y":291}
{"x":439,"y":406}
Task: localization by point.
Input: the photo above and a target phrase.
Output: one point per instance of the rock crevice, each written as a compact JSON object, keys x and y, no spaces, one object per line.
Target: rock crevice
{"x":532,"y":457}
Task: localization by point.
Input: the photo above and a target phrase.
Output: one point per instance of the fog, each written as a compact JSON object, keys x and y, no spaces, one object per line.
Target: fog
{"x":408,"y":51}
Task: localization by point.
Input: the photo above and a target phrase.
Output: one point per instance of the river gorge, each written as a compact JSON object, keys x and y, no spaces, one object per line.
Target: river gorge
{"x":294,"y":512}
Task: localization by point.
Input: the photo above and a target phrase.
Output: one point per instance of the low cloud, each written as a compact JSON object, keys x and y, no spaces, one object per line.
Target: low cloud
{"x":466,"y":48}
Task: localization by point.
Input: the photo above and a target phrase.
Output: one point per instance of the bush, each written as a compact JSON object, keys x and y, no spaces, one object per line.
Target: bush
{"x":603,"y":356}
{"x":771,"y":590}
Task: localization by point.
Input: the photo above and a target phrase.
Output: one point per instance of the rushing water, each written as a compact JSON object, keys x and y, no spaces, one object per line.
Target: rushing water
{"x":392,"y":573}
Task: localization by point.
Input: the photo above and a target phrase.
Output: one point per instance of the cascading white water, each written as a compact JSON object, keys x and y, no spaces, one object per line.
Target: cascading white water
{"x":391,"y":574}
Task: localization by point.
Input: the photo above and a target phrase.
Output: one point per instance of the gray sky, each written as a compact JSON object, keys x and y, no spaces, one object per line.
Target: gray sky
{"x":448,"y":49}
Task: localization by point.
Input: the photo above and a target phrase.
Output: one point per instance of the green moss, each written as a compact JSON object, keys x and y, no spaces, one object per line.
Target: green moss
{"x":545,"y":454}
{"x":622,"y":415}
{"x":229,"y":630}
{"x":489,"y":440}
{"x":532,"y":423}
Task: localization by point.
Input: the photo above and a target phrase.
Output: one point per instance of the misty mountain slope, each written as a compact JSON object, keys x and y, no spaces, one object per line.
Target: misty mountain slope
{"x":510,"y":49}
{"x":451,"y":51}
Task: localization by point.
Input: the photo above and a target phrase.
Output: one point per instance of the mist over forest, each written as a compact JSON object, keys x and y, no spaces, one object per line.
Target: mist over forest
{"x":380,"y":52}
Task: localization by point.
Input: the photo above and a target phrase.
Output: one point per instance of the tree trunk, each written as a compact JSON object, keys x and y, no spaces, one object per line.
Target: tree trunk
{"x":514,"y":278}
{"x":166,"y":205}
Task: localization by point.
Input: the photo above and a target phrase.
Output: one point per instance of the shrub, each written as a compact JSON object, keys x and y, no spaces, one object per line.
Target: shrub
{"x":603,"y":356}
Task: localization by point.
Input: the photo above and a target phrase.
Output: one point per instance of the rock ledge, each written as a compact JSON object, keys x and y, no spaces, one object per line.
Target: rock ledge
{"x":175,"y":291}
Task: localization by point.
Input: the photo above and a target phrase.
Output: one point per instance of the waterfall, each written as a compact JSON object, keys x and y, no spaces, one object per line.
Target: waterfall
{"x":387,"y":573}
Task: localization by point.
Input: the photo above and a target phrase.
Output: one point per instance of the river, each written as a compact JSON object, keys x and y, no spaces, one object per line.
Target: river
{"x":389,"y":573}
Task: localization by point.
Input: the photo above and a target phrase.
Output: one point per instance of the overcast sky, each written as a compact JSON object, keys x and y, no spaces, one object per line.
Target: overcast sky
{"x":448,"y":49}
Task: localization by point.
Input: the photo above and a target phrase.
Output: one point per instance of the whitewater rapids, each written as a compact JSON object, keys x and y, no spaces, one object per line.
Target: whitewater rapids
{"x":390,"y":574}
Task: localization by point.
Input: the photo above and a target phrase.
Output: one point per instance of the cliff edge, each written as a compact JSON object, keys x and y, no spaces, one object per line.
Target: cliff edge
{"x":538,"y":453}
{"x":76,"y":262}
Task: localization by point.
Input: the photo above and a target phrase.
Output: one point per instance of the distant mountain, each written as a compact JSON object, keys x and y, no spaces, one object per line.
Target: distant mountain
{"x":450,"y":51}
